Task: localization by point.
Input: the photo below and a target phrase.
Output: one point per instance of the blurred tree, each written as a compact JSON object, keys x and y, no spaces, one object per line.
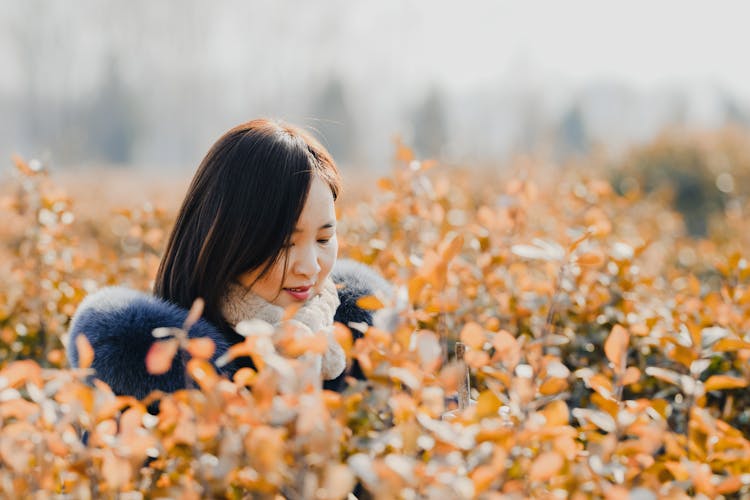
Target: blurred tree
{"x":335,"y":123}
{"x":429,"y":125}
{"x":686,"y":169}
{"x":572,"y":134}
{"x":735,"y":113}
{"x":111,"y":119}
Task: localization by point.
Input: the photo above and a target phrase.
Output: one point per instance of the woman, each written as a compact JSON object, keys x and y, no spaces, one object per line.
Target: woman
{"x":255,"y":235}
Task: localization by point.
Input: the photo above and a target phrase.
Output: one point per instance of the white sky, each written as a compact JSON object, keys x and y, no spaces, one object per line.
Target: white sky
{"x":245,"y":54}
{"x":644,"y":43}
{"x":459,"y":44}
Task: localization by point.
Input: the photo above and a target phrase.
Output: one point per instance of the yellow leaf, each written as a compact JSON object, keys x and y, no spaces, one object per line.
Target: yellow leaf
{"x":371,"y":303}
{"x":553,"y":386}
{"x":616,"y":347}
{"x":556,"y":413}
{"x":245,"y":376}
{"x":718,"y":382}
{"x":343,"y":336}
{"x":730,"y":345}
{"x":683,"y":355}
{"x":487,"y":404}
{"x":85,"y":351}
{"x":160,"y":355}
{"x":677,"y":470}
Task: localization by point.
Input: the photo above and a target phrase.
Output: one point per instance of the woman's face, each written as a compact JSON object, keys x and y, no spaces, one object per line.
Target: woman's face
{"x":310,"y":257}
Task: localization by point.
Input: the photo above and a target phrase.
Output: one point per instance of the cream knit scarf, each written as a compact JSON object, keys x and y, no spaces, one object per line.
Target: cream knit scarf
{"x":315,"y":315}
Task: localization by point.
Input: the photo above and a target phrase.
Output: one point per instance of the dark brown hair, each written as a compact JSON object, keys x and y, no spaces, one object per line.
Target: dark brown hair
{"x":240,"y":211}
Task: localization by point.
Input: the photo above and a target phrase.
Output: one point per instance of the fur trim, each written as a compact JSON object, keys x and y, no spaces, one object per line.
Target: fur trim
{"x":314,"y":316}
{"x":118,"y":323}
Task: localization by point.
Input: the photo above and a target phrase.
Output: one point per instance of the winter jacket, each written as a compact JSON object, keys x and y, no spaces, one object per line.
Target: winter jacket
{"x":118,"y":323}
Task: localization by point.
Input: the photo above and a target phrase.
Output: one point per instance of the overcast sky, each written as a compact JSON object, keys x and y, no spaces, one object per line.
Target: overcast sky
{"x":272,"y":57}
{"x":462,"y":44}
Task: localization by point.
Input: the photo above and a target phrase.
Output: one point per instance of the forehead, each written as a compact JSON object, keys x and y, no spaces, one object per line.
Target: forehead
{"x":319,"y":209}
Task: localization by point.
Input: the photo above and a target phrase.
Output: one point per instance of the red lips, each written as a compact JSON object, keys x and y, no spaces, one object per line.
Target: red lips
{"x":300,"y":292}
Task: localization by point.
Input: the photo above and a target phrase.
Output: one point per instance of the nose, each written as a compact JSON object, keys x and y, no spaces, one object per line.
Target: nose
{"x":305,"y":262}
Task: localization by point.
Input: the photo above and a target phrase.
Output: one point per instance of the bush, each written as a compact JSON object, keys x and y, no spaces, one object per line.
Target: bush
{"x":606,"y":354}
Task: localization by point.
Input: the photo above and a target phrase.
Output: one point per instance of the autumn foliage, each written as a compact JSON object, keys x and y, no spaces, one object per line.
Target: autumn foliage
{"x":607,"y":351}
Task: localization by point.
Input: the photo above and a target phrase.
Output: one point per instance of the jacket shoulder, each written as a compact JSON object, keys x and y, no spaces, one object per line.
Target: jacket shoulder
{"x":356,"y":280}
{"x":118,"y":323}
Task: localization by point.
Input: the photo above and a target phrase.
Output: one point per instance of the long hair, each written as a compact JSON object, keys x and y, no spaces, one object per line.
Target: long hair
{"x":240,"y":211}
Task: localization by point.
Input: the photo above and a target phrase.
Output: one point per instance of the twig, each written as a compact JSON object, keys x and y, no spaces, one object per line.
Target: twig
{"x":464,"y":387}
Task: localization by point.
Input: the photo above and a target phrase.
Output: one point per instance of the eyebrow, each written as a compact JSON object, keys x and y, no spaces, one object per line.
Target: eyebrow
{"x":328,"y":225}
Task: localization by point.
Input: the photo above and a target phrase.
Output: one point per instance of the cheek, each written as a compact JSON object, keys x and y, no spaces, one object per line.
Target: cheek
{"x":266,"y":287}
{"x":328,"y":257}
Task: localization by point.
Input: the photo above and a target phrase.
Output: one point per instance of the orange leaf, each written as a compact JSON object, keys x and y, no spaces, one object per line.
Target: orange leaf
{"x":202,"y":372}
{"x":370,"y":303}
{"x":20,"y":409}
{"x":616,"y":347}
{"x":403,"y":153}
{"x":473,"y":335}
{"x":545,"y":466}
{"x":451,"y":248}
{"x":718,"y":382}
{"x":196,"y":310}
{"x":245,"y":376}
{"x":160,"y":355}
{"x":85,"y":351}
{"x":293,"y":345}
{"x":487,"y":404}
{"x":385,"y":184}
{"x":201,"y":347}
{"x":593,"y":259}
{"x":556,"y":413}
{"x":506,"y":348}
{"x":632,"y":375}
{"x":553,"y":386}
{"x":483,"y":477}
{"x":25,"y":370}
{"x":116,"y":470}
{"x":730,"y":345}
{"x":343,"y":336}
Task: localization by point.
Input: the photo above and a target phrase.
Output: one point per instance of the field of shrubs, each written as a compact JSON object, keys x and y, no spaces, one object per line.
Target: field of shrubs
{"x":605,"y":322}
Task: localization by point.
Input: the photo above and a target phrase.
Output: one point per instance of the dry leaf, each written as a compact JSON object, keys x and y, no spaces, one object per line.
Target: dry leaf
{"x":473,"y":335}
{"x":370,"y":303}
{"x":85,"y":351}
{"x":545,"y":466}
{"x":616,"y":347}
{"x":721,"y":382}
{"x":590,"y":259}
{"x":160,"y":355}
{"x":201,"y":347}
{"x":195,"y":313}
